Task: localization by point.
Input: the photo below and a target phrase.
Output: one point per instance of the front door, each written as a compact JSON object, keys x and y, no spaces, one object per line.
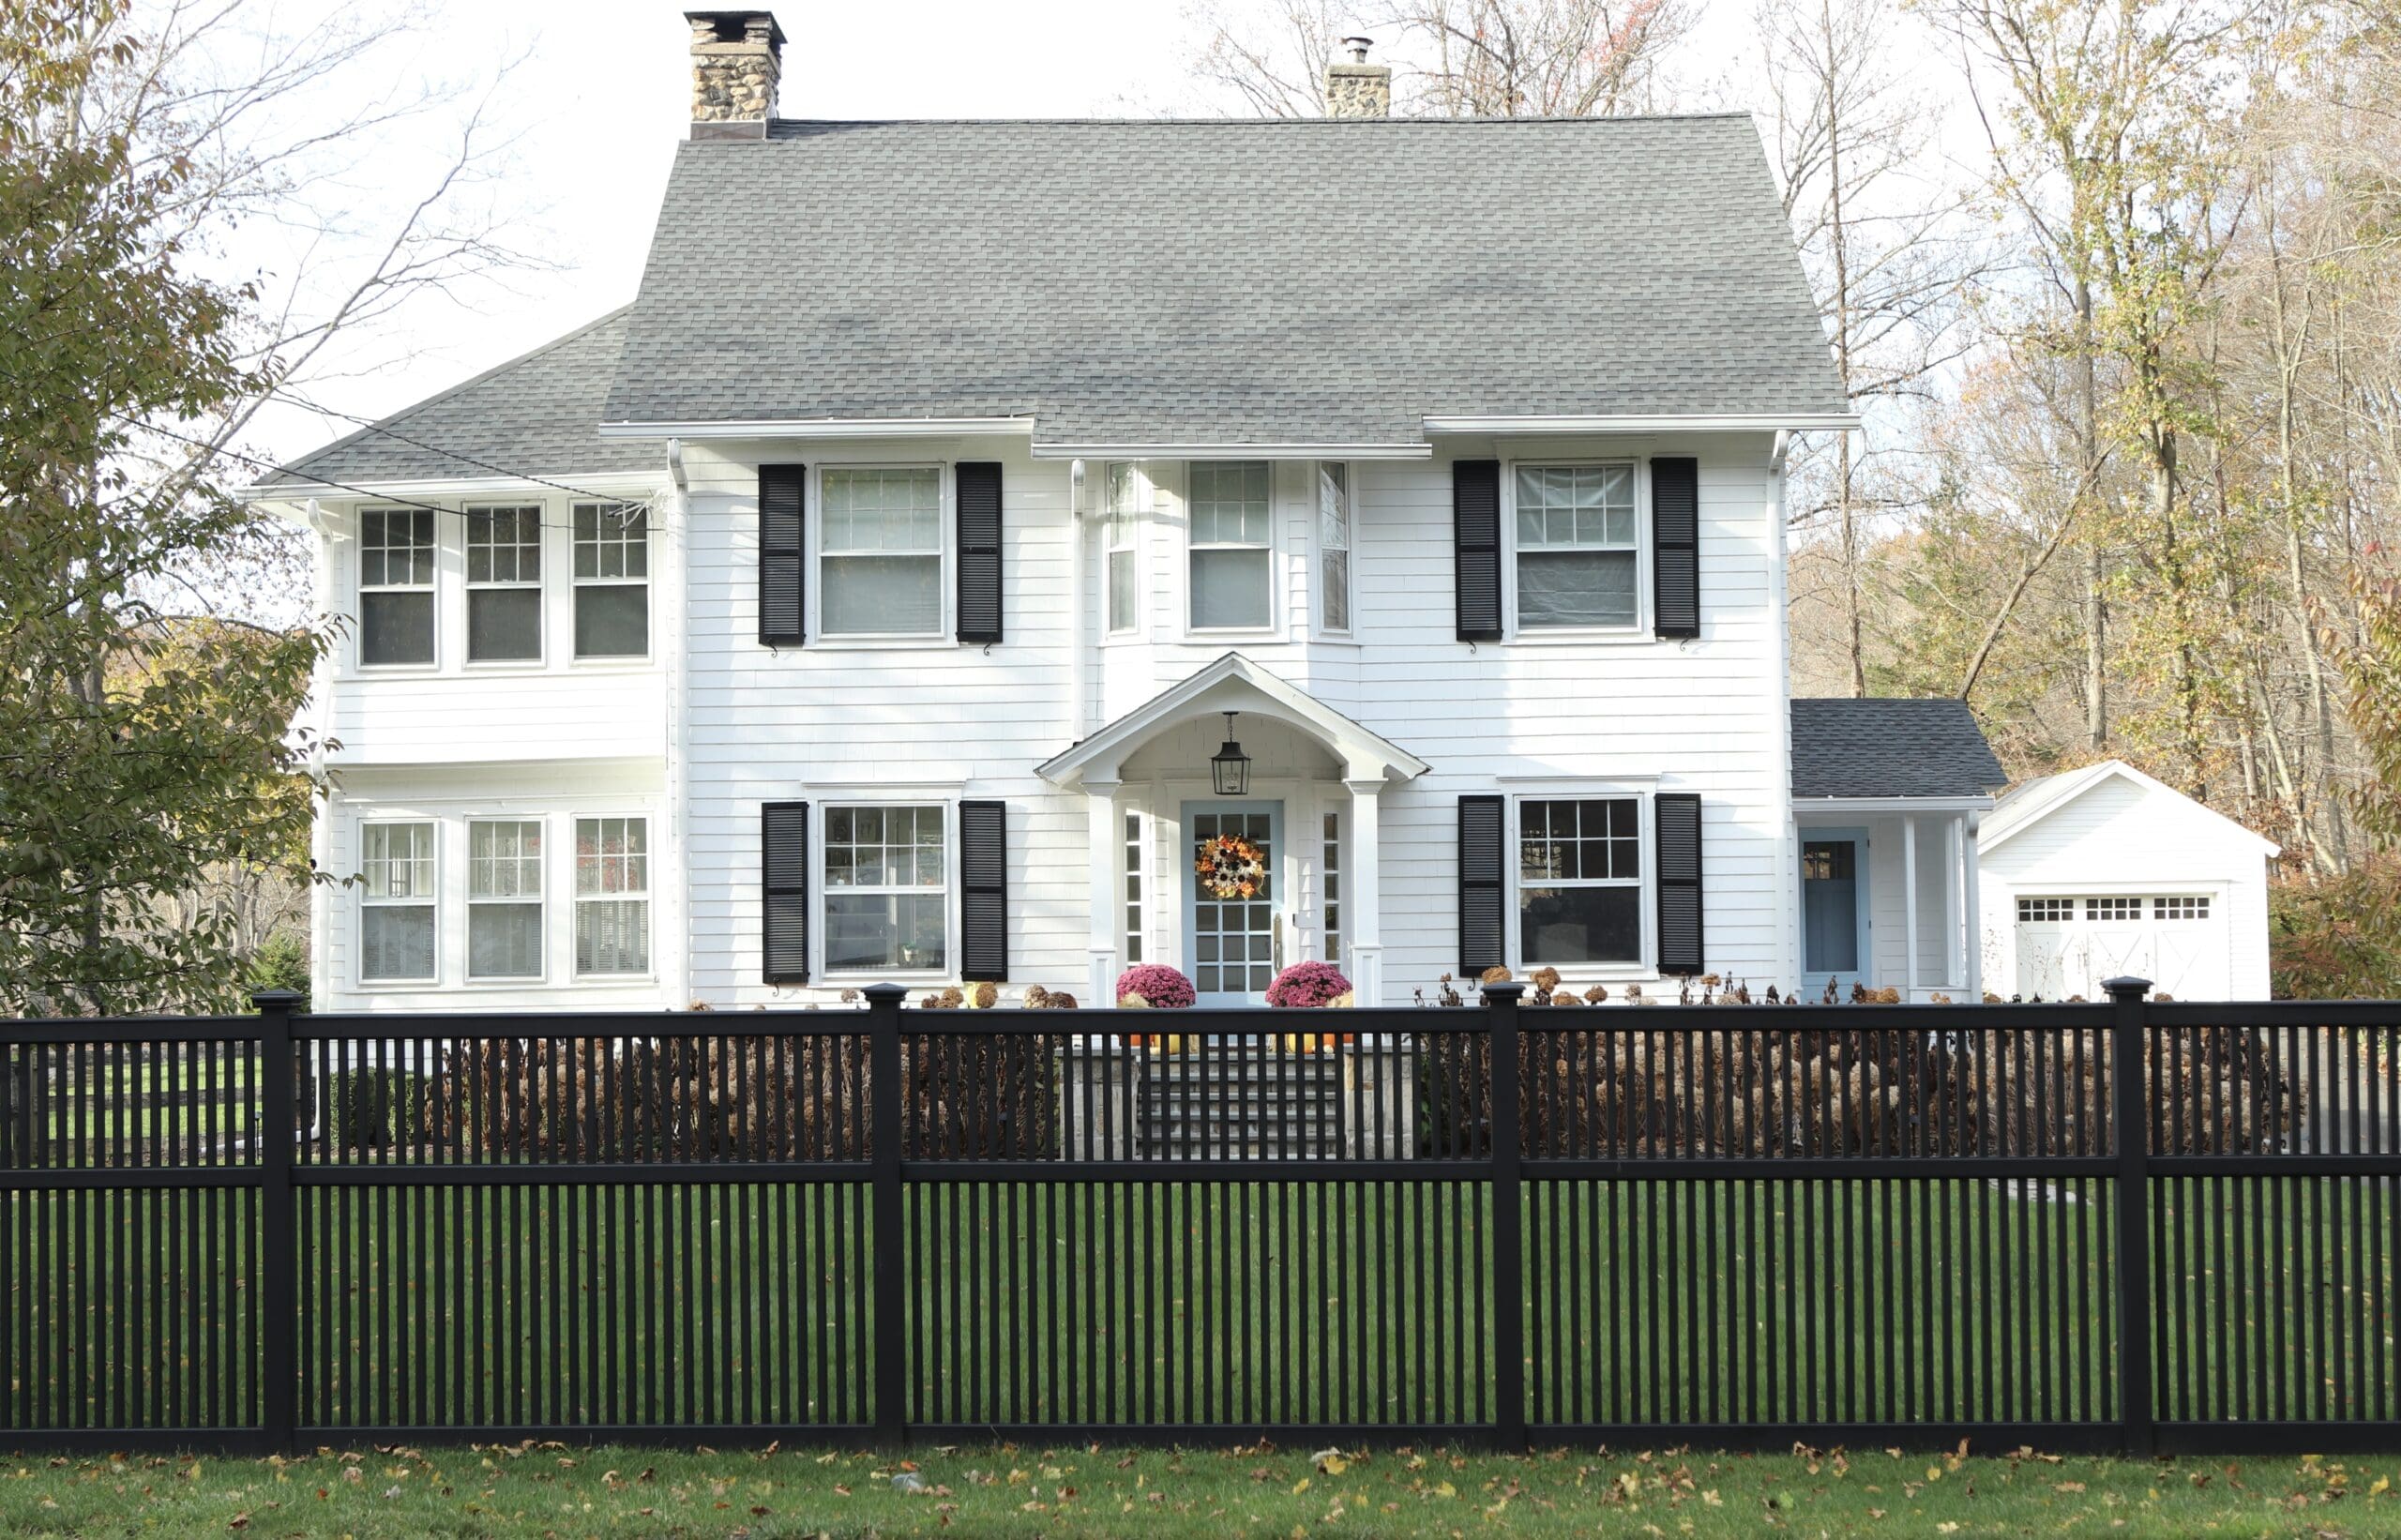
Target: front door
{"x":1834,"y":909}
{"x":1231,"y":939}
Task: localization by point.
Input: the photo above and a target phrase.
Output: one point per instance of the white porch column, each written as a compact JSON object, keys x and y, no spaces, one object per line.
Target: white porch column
{"x":1363,"y":917}
{"x":1974,"y":926}
{"x":1102,"y":840}
{"x":1908,"y":908}
{"x":1954,"y":944}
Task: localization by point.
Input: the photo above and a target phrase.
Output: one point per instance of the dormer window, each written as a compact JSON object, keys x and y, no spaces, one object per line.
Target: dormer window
{"x":1232,"y":565}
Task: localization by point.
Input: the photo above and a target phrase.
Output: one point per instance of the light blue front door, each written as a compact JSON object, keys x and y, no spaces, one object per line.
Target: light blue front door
{"x":1231,"y":943}
{"x":1834,"y":943}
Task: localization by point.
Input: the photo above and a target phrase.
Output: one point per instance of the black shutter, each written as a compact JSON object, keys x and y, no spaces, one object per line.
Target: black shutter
{"x":1475,"y":533}
{"x":1480,"y":853}
{"x":782,"y":491}
{"x":1675,"y":547}
{"x":982,"y":891}
{"x":979,"y":551}
{"x":783,"y":866}
{"x":1677,"y":836}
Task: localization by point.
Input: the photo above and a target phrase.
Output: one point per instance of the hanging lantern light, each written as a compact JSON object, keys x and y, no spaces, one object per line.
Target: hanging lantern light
{"x":1229,"y":767}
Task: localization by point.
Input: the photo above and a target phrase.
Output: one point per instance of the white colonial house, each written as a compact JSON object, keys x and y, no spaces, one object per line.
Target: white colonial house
{"x":880,"y":595}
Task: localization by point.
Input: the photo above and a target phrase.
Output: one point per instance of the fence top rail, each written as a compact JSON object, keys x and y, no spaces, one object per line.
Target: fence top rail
{"x":137,"y":1031}
{"x":2274,"y":1013}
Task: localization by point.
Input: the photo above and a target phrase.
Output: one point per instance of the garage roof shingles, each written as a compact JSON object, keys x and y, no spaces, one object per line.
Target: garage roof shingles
{"x":1890,"y":749}
{"x":1282,"y":282}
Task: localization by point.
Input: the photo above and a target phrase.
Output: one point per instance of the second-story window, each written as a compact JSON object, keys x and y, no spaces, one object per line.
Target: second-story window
{"x":396,"y":585}
{"x":1334,"y":546}
{"x":1232,"y":570}
{"x":503,"y":584}
{"x":612,"y":580}
{"x":1124,"y":574}
{"x":1576,"y":546}
{"x":880,"y":552}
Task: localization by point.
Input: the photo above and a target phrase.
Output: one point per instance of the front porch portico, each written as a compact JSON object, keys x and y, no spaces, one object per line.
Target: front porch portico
{"x":1311,"y":806}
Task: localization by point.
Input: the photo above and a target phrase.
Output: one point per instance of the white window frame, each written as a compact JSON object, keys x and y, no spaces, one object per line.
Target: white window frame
{"x":2182,"y":908}
{"x":539,"y":900}
{"x":1273,"y":623}
{"x":1640,"y":630}
{"x":1122,"y":542}
{"x":1319,"y":548}
{"x":431,"y":588}
{"x":576,"y":584}
{"x":1331,"y":901}
{"x":2053,"y":908}
{"x":2093,"y":903}
{"x":577,"y":898}
{"x":1646,"y":851}
{"x":431,"y":899}
{"x":821,"y":928}
{"x":946,"y":535}
{"x":1134,"y":873}
{"x":472,"y":585}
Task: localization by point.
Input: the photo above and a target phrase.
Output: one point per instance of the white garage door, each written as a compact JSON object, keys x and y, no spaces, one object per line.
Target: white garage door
{"x":2066,"y":946}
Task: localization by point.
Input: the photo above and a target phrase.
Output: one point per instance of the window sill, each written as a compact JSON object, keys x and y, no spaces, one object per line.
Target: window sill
{"x":611,"y":665}
{"x":880,"y":644}
{"x":505,"y":666}
{"x":856,"y":979}
{"x":1608,"y":637}
{"x":1261,"y":633}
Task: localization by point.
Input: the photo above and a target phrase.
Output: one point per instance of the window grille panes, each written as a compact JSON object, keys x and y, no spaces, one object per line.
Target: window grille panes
{"x":2046,"y":911}
{"x":1330,"y":855}
{"x":2188,"y":907}
{"x":612,"y":896}
{"x":1579,"y":881}
{"x":880,"y":552}
{"x":504,"y":898}
{"x":1124,"y":515}
{"x":503,"y":584}
{"x":397,"y":926}
{"x":1133,"y":888}
{"x":1577,"y":540}
{"x":888,"y":888}
{"x":612,"y":580}
{"x":1231,"y":564}
{"x":2113,"y":909}
{"x":1333,"y":544}
{"x":396,"y":585}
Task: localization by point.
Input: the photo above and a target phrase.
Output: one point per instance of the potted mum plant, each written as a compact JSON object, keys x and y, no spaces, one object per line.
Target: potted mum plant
{"x":1310,"y":986}
{"x":1154,"y":986}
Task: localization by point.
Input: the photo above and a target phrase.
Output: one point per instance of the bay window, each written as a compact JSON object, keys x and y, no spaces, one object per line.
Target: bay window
{"x":1579,"y":881}
{"x":1576,"y":546}
{"x":395,"y":920}
{"x":612,"y":896}
{"x":503,"y":898}
{"x":1233,"y":568}
{"x":503,"y":584}
{"x":888,"y":888}
{"x":880,"y":556}
{"x":1334,"y":546}
{"x":612,"y":580}
{"x":396,"y":586}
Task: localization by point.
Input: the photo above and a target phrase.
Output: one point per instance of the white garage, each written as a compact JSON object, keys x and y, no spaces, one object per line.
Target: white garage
{"x":2104,"y":871}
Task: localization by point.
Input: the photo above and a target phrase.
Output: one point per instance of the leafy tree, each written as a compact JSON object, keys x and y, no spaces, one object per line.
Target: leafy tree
{"x":130,"y":762}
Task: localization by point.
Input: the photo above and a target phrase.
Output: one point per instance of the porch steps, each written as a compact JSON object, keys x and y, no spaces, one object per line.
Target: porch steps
{"x":1240,"y":1102}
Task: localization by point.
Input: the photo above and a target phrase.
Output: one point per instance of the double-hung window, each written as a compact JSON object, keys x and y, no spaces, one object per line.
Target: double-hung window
{"x":1576,"y":546}
{"x":612,"y":580}
{"x":396,"y":586}
{"x":504,"y":586}
{"x":1334,"y":546}
{"x":396,"y":927}
{"x":503,"y":898}
{"x":880,"y":558}
{"x":612,"y":896}
{"x":1124,"y":525}
{"x":1579,"y":881}
{"x":888,"y":888}
{"x":1233,"y":571}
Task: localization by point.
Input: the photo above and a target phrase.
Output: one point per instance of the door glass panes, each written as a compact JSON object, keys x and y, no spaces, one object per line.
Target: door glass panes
{"x":1233,"y":940}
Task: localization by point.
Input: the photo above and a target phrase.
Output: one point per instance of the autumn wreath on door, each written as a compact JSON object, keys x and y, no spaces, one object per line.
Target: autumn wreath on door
{"x":1230,"y":868}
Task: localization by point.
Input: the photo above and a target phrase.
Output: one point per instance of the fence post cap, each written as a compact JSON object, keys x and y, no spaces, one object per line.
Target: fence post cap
{"x":1506,"y":993}
{"x":275,"y":1000}
{"x":2126,"y":987}
{"x":885,"y":994}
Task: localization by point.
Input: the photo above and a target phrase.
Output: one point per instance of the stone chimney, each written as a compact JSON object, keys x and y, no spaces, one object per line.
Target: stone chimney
{"x":737,"y":59}
{"x":1355,"y":87}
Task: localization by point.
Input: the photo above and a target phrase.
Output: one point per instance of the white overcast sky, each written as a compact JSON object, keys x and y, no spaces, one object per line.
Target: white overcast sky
{"x":598,"y":98}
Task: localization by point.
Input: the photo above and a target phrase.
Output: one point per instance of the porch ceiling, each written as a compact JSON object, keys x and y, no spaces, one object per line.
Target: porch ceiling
{"x":1234,"y":682}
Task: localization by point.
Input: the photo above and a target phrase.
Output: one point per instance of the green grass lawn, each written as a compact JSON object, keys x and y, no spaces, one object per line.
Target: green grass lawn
{"x":1007,"y":1490}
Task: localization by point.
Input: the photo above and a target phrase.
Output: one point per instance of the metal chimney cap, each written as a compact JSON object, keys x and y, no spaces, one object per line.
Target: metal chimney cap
{"x":1358,"y":47}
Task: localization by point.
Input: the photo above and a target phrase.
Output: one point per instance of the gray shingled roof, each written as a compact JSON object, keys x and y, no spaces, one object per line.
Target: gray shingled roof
{"x":537,"y":415}
{"x":1280,"y":282}
{"x":1890,"y":749}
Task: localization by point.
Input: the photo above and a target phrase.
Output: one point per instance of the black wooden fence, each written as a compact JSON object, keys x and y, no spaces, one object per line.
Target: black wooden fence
{"x":1737,"y":1225}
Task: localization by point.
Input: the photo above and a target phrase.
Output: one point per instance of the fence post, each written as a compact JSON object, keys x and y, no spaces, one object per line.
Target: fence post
{"x":1508,"y":1226}
{"x":2130,"y":1101}
{"x":278,"y":1287}
{"x":890,"y":1293}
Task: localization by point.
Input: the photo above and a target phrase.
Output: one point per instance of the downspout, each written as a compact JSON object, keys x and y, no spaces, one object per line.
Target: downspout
{"x":1078,"y":706}
{"x":320,"y":713}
